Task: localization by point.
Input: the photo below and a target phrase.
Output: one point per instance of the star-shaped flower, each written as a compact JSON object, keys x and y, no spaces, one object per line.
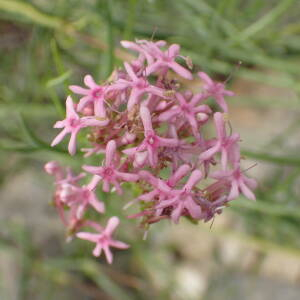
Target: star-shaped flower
{"x":215,"y":90}
{"x":104,"y":239}
{"x":109,"y":173}
{"x":72,"y":124}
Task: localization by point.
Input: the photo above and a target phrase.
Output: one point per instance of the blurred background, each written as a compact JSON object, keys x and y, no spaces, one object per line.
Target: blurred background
{"x":252,"y":251}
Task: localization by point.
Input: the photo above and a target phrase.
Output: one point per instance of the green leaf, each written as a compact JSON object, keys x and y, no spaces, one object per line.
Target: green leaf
{"x":59,"y":79}
{"x":281,"y":160}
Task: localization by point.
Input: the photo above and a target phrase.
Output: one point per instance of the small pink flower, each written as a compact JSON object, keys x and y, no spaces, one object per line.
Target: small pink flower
{"x":183,"y":199}
{"x":109,"y":174}
{"x":139,"y":86}
{"x":237,"y":182}
{"x":104,"y":239}
{"x":82,"y":197}
{"x":94,"y":95}
{"x":151,"y":143}
{"x":224,"y":144}
{"x":216,"y":90}
{"x":188,"y":111}
{"x":53,"y":168}
{"x":166,"y":60}
{"x":72,"y":124}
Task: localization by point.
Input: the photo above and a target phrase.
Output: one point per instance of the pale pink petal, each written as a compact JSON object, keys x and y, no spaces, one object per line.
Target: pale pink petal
{"x":84,"y":101}
{"x":224,"y":158}
{"x":131,"y":46}
{"x":99,"y":108}
{"x":92,"y":169}
{"x":106,"y":186}
{"x":98,"y":249}
{"x":179,"y":174}
{"x":246,"y":191}
{"x":118,"y":244}
{"x":169,"y":114}
{"x":220,"y":174}
{"x":92,"y":237}
{"x":90,"y":82}
{"x":111,"y":226}
{"x":148,"y":196}
{"x":130,"y":72}
{"x":155,"y":91}
{"x":110,"y":153}
{"x":152,"y":156}
{"x":60,"y":124}
{"x":177,"y":68}
{"x":108,"y":254}
{"x":220,"y":125}
{"x":98,"y":205}
{"x":146,"y":118}
{"x":193,"y":208}
{"x":234,"y":191}
{"x":71,"y":113}
{"x":222,"y":103}
{"x":130,"y":151}
{"x":134,"y":98}
{"x":250,"y":182}
{"x":176,"y":213}
{"x":127,"y":176}
{"x":228,"y":93}
{"x":209,"y":153}
{"x":153,"y":68}
{"x":195,"y":177}
{"x":91,"y":122}
{"x":59,"y":137}
{"x":72,"y":142}
{"x":205,"y":78}
{"x":173,"y":50}
{"x":80,"y":211}
{"x":167,"y":142}
{"x":203,"y":108}
{"x":94,"y":182}
{"x":78,"y":90}
{"x":168,"y":202}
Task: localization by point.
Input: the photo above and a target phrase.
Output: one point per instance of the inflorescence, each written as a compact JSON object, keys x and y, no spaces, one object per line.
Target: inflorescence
{"x":145,"y":124}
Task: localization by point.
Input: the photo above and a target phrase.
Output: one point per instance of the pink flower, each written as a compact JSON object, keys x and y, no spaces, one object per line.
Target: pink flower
{"x":82,"y":197}
{"x":187,"y":110}
{"x":224,"y":144}
{"x":72,"y":124}
{"x":139,"y":86}
{"x":216,"y":90}
{"x":166,"y":60}
{"x":104,"y":239}
{"x":70,"y":177}
{"x":183,"y":200}
{"x":53,"y":168}
{"x":142,"y":49}
{"x":109,"y":173}
{"x":149,"y":147}
{"x":237,"y":182}
{"x":94,"y":95}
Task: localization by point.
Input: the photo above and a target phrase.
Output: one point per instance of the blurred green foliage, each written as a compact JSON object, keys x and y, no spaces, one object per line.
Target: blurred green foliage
{"x":44,"y":45}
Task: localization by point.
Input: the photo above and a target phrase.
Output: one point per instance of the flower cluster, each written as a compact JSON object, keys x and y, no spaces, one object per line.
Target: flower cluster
{"x":144,"y":124}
